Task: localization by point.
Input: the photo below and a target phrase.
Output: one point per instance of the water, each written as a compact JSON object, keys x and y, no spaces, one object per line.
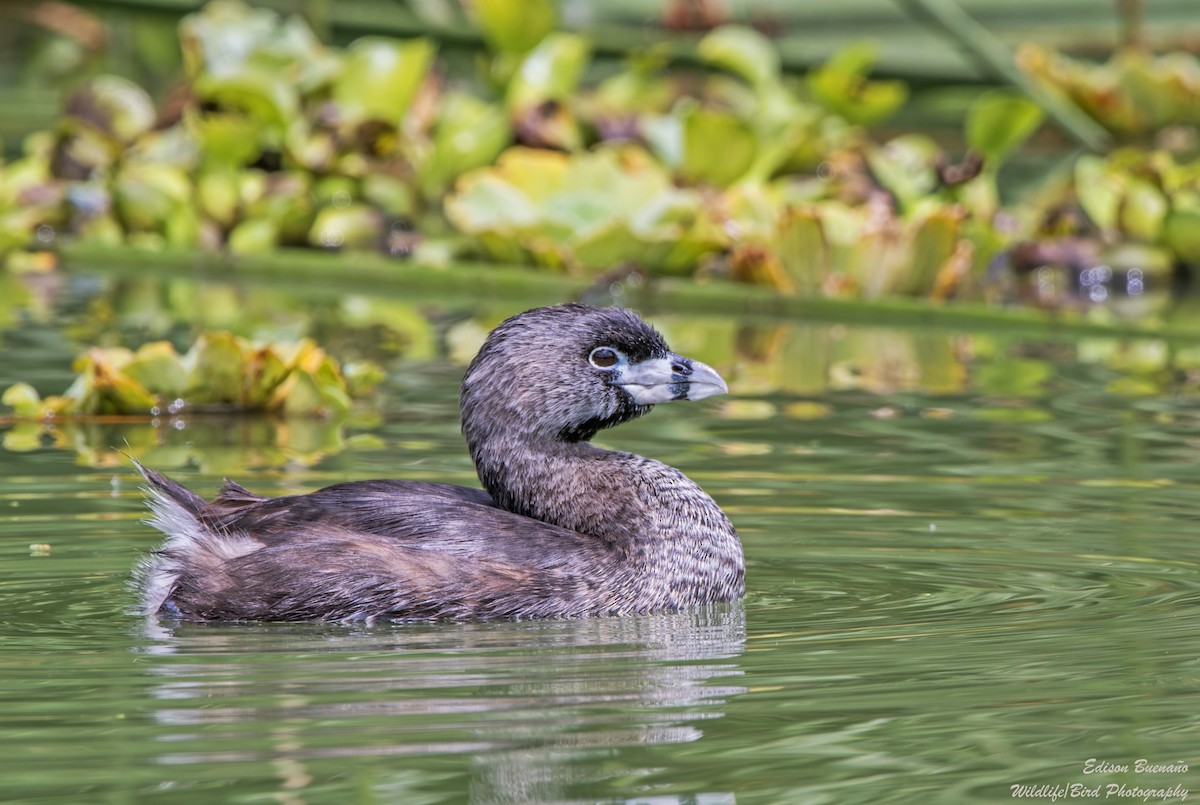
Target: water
{"x":972,"y":565}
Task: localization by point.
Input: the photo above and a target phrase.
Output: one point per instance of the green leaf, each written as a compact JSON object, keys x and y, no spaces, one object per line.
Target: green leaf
{"x":515,"y":26}
{"x":588,"y":210}
{"x":215,"y":365}
{"x":145,"y":196}
{"x":999,"y":122}
{"x":116,"y":392}
{"x":551,"y":72}
{"x":718,"y":147}
{"x":23,"y":399}
{"x":265,"y":370}
{"x":904,"y":165}
{"x":470,"y":133}
{"x":934,"y":235}
{"x":381,"y":77}
{"x":266,"y":97}
{"x":1099,"y":190}
{"x":254,"y":236}
{"x":1181,"y":233}
{"x":116,"y":106}
{"x":1142,"y":211}
{"x":353,"y":226}
{"x":800,"y":244}
{"x":742,"y":51}
{"x":841,"y":85}
{"x":159,"y":368}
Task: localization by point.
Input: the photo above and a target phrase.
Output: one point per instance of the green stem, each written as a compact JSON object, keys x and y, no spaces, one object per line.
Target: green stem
{"x":995,"y":58}
{"x":321,"y":274}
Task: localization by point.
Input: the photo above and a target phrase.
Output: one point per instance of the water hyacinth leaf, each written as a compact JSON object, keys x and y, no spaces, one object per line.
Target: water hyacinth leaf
{"x":175,"y":145}
{"x":742,"y":51}
{"x":145,"y":196}
{"x":215,"y":366}
{"x":718,"y":147}
{"x":555,"y":209}
{"x":484,"y":202}
{"x":380,"y":78}
{"x":1142,"y":211}
{"x":841,"y":85}
{"x":334,"y":396}
{"x":254,"y":236}
{"x":220,"y":369}
{"x":551,"y":72}
{"x":639,"y":89}
{"x":336,"y":190}
{"x":606,"y":245}
{"x":391,"y":195}
{"x":114,"y":391}
{"x":227,"y":140}
{"x":115,"y":106}
{"x":508,"y":193}
{"x":312,"y":150}
{"x":24,"y":400}
{"x":265,"y":370}
{"x":800,"y":244}
{"x":295,"y":51}
{"x":217,"y":196}
{"x":1099,"y":190}
{"x":905,"y":166}
{"x":221,"y":37}
{"x":999,"y":121}
{"x":470,"y":133}
{"x":515,"y":26}
{"x":548,"y":125}
{"x":267,"y":98}
{"x":298,"y":395}
{"x":285,"y":201}
{"x":354,"y":226}
{"x":16,"y":228}
{"x":664,"y":135}
{"x":21,"y":176}
{"x":934,"y":235}
{"x":1181,"y":233}
{"x":159,"y":369}
{"x":181,"y":230}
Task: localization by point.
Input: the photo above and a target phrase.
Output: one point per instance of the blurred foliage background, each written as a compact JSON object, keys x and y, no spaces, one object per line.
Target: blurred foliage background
{"x":1020,"y":154}
{"x":925,"y":148}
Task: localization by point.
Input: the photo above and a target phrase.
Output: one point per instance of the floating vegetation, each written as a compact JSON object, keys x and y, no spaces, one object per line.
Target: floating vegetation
{"x":590,"y":210}
{"x":1135,"y":95}
{"x":730,"y":170}
{"x":220,"y":373}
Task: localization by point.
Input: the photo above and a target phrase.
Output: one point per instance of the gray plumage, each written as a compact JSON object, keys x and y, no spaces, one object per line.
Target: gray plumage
{"x":564,"y":529}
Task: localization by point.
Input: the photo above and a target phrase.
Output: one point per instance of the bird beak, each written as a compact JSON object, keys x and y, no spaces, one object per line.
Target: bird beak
{"x":669,"y":378}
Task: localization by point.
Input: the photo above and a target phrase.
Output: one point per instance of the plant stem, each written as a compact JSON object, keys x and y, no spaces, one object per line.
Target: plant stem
{"x":994,"y":58}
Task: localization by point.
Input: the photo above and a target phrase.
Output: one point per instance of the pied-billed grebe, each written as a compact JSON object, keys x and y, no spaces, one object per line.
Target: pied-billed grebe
{"x":564,"y":529}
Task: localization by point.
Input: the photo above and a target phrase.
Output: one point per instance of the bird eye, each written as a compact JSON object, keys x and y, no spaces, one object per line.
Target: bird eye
{"x":604,"y":357}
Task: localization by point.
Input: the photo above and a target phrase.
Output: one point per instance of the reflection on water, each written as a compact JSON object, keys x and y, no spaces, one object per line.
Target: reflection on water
{"x":546,"y":696}
{"x":972,"y":564}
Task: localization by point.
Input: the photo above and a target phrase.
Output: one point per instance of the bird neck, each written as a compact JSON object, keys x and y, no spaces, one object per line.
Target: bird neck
{"x":631,"y":502}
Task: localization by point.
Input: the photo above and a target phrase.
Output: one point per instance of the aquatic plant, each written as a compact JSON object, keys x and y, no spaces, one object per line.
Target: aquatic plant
{"x":733,"y":170}
{"x":1134,"y":94}
{"x":1150,"y":198}
{"x":220,"y":372}
{"x":590,"y":210}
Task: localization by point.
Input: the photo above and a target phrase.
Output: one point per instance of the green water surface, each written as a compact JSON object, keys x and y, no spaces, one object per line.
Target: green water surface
{"x":965,"y":574}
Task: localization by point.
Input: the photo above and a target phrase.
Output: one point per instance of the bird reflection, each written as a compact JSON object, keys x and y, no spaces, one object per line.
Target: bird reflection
{"x":524,"y":707}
